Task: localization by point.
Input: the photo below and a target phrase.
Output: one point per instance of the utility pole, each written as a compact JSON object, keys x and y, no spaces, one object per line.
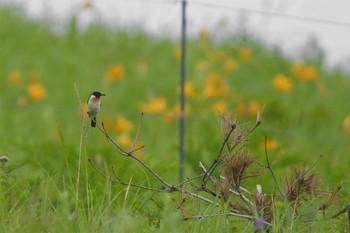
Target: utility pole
{"x":182,"y":95}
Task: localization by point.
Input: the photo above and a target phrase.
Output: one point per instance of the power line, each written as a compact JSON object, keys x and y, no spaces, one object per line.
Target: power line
{"x":273,"y":14}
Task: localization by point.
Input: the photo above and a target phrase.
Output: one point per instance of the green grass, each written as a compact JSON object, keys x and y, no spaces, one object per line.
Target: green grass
{"x":38,"y":192}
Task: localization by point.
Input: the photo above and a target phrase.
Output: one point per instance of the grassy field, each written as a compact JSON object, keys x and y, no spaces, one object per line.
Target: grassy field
{"x":46,"y":188}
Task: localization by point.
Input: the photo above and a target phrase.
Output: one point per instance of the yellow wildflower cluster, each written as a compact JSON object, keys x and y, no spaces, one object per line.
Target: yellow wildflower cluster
{"x":282,"y":83}
{"x":220,"y":108}
{"x":15,"y":78}
{"x":215,"y":86}
{"x":305,"y":72}
{"x":189,"y":90}
{"x":250,"y":109}
{"x":36,"y":90}
{"x":115,"y":72}
{"x":154,"y":106}
{"x":270,"y":145}
{"x":173,"y":114}
{"x":245,"y":53}
{"x":122,"y":125}
{"x":230,"y":66}
{"x":124,"y":140}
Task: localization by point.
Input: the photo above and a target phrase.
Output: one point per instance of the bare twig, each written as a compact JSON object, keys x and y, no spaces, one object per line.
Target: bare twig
{"x":345,"y":210}
{"x":217,"y":160}
{"x":270,"y":169}
{"x":237,"y":193}
{"x":190,"y":179}
{"x":83,"y":129}
{"x":138,"y":131}
{"x":222,"y":214}
{"x":118,"y":181}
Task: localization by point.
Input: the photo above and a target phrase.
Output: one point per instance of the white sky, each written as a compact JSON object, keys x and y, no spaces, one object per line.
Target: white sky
{"x":162,"y":17}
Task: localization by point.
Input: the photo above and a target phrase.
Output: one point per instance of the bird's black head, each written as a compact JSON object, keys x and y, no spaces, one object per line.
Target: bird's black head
{"x":97,"y":94}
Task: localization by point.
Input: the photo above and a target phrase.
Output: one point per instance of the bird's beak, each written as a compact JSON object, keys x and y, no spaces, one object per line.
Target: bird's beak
{"x":103,"y":94}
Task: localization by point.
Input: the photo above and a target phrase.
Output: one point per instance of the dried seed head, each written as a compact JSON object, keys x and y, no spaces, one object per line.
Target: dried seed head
{"x":236,"y":168}
{"x":301,"y":182}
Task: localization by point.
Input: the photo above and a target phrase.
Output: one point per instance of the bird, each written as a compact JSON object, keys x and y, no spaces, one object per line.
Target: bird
{"x":94,"y":104}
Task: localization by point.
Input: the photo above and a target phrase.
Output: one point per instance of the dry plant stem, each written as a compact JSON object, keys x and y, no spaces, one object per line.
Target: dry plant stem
{"x":83,"y":129}
{"x":230,"y":148}
{"x":129,"y":154}
{"x":331,"y":199}
{"x":216,"y":162}
{"x":223,"y":214}
{"x":138,"y":131}
{"x":190,"y":179}
{"x":172,"y":188}
{"x":240,"y":187}
{"x":270,"y":169}
{"x":118,"y":181}
{"x":345,"y":210}
{"x":237,"y":193}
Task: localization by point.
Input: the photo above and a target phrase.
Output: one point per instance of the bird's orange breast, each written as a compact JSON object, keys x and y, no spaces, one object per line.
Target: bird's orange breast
{"x":94,"y":100}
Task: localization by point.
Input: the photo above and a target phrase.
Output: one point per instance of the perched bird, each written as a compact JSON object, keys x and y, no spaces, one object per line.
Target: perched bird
{"x":94,"y":103}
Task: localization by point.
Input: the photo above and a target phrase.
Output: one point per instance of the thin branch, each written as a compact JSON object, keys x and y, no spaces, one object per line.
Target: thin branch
{"x":138,"y":131}
{"x":345,"y":210}
{"x":222,"y":214}
{"x":270,"y":169}
{"x":217,"y":160}
{"x":237,"y":193}
{"x":118,"y":181}
{"x":190,"y":179}
{"x":130,"y":154}
{"x":83,"y":129}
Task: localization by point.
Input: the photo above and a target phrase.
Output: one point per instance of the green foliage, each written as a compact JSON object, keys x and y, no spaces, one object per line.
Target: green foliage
{"x":40,"y":125}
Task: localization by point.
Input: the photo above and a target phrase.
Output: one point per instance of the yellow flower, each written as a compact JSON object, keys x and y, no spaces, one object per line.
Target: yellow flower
{"x":189,"y":90}
{"x":254,"y":108}
{"x":124,"y":140}
{"x":304,"y":72}
{"x":173,"y":114}
{"x":346,"y":124}
{"x":270,"y":145}
{"x":115,"y":72}
{"x":153,"y":106}
{"x":36,"y":91}
{"x":220,"y":108}
{"x":122,"y":124}
{"x":15,"y":78}
{"x":177,"y":53}
{"x":282,"y":83}
{"x":245,"y":54}
{"x":230,"y":66}
{"x":215,"y":86}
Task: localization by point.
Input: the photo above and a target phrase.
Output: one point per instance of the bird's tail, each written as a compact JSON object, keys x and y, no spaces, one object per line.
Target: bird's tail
{"x":93,"y":122}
